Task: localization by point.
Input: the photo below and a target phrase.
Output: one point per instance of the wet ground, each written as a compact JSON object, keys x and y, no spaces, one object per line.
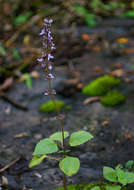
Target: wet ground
{"x":77,"y":63}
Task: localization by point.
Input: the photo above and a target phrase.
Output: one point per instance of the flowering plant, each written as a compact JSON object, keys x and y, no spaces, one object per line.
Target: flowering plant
{"x":56,"y":142}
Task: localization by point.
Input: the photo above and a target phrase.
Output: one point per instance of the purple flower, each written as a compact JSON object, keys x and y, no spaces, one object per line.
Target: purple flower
{"x":40,"y":59}
{"x":42,"y":32}
{"x":50,"y":56}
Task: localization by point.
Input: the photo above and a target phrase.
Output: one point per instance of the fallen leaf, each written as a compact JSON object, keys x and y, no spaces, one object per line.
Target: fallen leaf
{"x":85,"y":37}
{"x":122,"y":40}
{"x":4,"y":181}
{"x":96,"y":48}
{"x":118,"y":73}
{"x":91,"y":99}
{"x":35,"y":74}
{"x":80,"y":86}
{"x":21,"y":135}
{"x":105,"y":123}
{"x":127,"y":80}
{"x":98,"y":69}
{"x":7,"y":83}
{"x":127,"y":51}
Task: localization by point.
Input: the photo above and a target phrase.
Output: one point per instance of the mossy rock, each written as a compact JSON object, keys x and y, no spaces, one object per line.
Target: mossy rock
{"x":112,"y":98}
{"x":50,"y":106}
{"x":101,"y":85}
{"x":89,"y":187}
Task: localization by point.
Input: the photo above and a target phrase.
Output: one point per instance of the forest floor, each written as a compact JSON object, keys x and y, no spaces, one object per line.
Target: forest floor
{"x":77,"y":62}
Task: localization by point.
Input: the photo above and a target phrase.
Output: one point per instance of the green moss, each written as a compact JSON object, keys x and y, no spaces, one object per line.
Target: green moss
{"x":89,"y":187}
{"x":50,"y":106}
{"x":112,"y":98}
{"x":100,"y":86}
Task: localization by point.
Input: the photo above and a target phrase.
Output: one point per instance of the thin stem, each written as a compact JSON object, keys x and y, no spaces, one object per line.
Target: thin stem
{"x":62,"y":130}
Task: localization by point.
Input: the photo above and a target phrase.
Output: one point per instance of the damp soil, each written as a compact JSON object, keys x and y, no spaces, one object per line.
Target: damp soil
{"x":77,"y":62}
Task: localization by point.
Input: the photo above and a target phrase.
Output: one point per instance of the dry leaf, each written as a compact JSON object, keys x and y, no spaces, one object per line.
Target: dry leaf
{"x":105,"y":123}
{"x":80,"y":86}
{"x":4,"y":181}
{"x":91,"y":99}
{"x":127,"y":51}
{"x":7,"y":83}
{"x":21,"y":135}
{"x":118,"y":73}
{"x":98,"y":69}
{"x":122,"y":40}
{"x":127,"y":80}
{"x":85,"y":37}
{"x":35,"y":74}
{"x":96,"y":48}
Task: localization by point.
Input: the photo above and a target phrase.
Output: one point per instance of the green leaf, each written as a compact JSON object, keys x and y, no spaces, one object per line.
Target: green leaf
{"x":111,"y":187}
{"x":16,"y":54}
{"x":36,"y":160}
{"x":90,"y":20}
{"x":28,"y":79}
{"x":129,"y":177}
{"x":129,"y":14}
{"x":2,"y":50}
{"x":96,"y":188}
{"x":121,"y":176}
{"x":69,"y":165}
{"x":79,"y":137}
{"x":109,"y":174}
{"x":22,"y":18}
{"x":129,"y":164}
{"x":45,"y":146}
{"x":58,"y":136}
{"x":81,"y":10}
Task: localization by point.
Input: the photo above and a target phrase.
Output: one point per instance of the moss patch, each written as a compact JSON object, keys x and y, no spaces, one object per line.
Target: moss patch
{"x":50,"y":106}
{"x":113,"y":98}
{"x":100,"y":86}
{"x":89,"y":187}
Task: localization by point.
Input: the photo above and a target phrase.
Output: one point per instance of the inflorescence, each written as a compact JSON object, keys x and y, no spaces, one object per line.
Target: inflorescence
{"x":47,"y":57}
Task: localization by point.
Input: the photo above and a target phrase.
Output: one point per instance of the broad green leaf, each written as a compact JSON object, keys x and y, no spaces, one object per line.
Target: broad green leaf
{"x":129,"y":14}
{"x":58,"y":136}
{"x":90,"y":20}
{"x":81,"y":10}
{"x":27,"y":79}
{"x":96,"y":188}
{"x":79,"y":137}
{"x":121,"y":176}
{"x":36,"y":160}
{"x":129,"y":177}
{"x":129,"y":164}
{"x":109,"y":174}
{"x":111,"y":187}
{"x":69,"y":165}
{"x":22,"y":18}
{"x":45,"y":146}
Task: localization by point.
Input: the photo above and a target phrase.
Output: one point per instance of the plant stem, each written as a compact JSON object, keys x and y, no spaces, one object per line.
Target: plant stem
{"x":62,"y":130}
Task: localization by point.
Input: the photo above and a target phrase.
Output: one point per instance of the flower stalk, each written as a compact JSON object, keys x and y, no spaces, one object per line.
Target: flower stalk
{"x":46,"y":63}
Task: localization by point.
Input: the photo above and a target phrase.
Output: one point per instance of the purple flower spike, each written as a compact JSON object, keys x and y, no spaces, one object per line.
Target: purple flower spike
{"x":48,"y":47}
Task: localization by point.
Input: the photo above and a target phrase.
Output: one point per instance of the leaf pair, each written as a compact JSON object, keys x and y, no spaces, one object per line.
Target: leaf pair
{"x":118,"y":175}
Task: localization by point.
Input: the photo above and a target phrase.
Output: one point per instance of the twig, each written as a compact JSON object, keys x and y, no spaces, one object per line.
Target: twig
{"x":9,"y":165}
{"x":32,"y":21}
{"x":11,"y":101}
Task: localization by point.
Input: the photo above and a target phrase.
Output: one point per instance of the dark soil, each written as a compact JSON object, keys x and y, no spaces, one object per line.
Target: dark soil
{"x":112,"y":128}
